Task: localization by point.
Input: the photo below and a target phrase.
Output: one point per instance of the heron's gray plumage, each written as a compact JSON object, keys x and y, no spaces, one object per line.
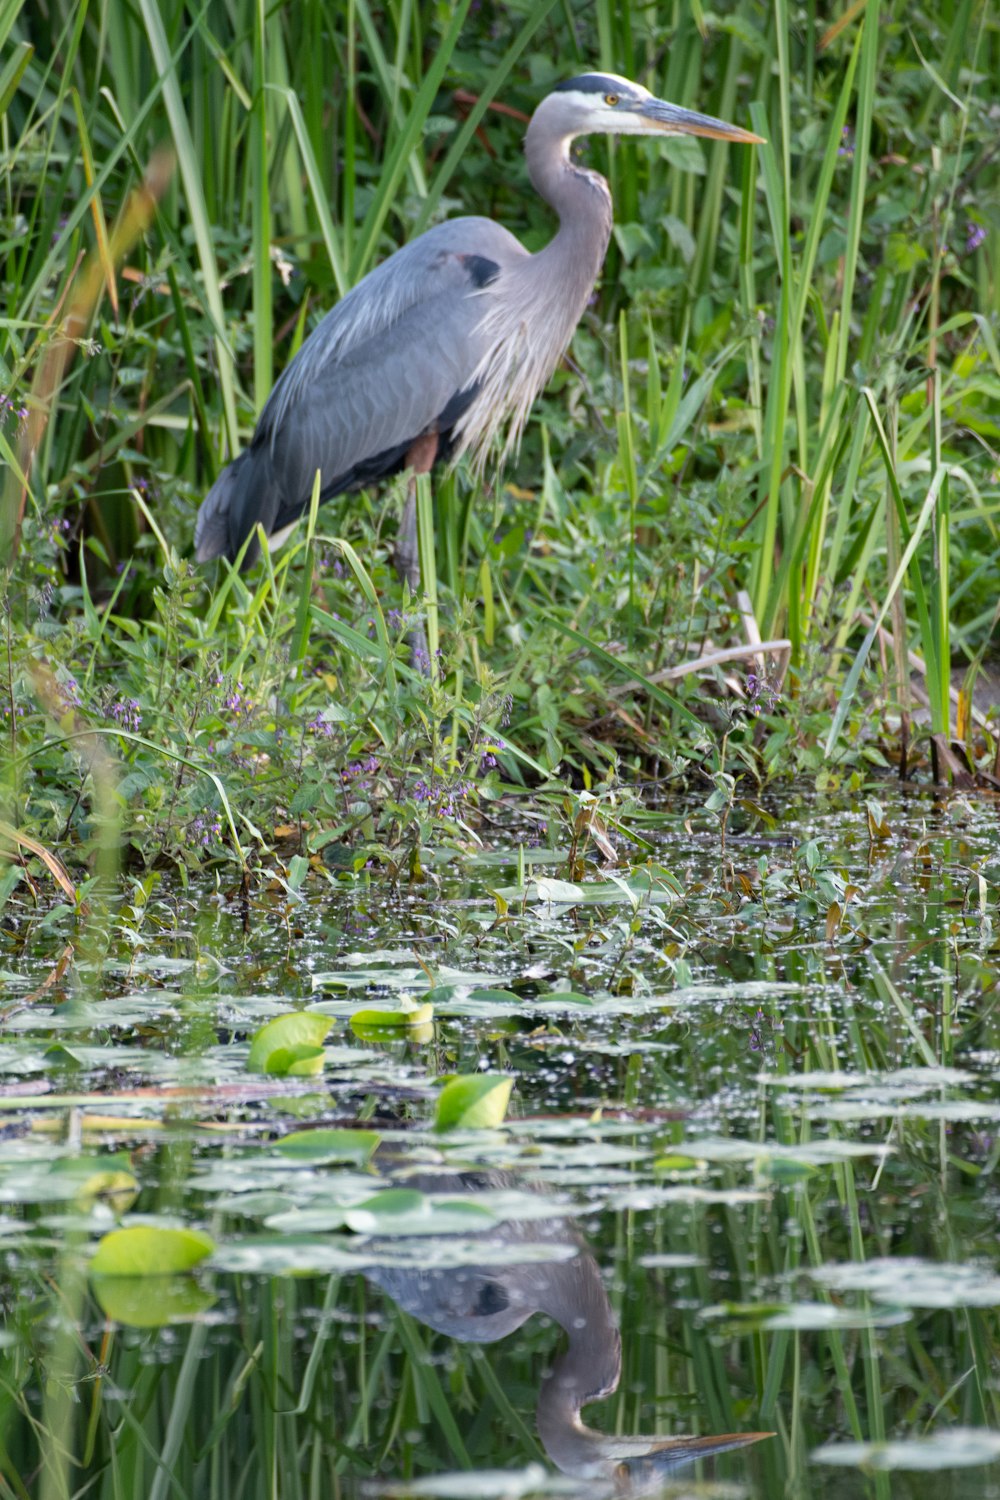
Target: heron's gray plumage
{"x":452,"y":337}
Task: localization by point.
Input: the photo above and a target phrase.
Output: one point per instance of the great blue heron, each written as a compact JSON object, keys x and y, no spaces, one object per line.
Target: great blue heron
{"x":444,"y":344}
{"x":491,"y":1296}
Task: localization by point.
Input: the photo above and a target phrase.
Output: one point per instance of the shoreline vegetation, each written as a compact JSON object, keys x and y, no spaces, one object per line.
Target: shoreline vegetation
{"x":752,"y":529}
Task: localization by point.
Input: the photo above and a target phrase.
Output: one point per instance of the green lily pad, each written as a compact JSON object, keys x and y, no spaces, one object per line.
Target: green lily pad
{"x":316,"y":1147}
{"x":405,"y":1211}
{"x":148,"y":1250}
{"x":391,"y":1020}
{"x":292,"y":1043}
{"x":474,"y":1101}
{"x":126,"y":1299}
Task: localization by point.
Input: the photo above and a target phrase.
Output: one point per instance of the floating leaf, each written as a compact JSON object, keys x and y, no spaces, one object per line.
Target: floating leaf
{"x":386,"y":1034}
{"x":126,"y":1299}
{"x":278,"y":1046}
{"x":148,"y":1250}
{"x":405,"y":1211}
{"x":908,"y":1281}
{"x":675,"y":1162}
{"x":296,"y":1062}
{"x":547,"y":888}
{"x":783,"y":1170}
{"x":373,"y":1019}
{"x":954,"y":1448}
{"x":476,"y":1101}
{"x":319,"y":1146}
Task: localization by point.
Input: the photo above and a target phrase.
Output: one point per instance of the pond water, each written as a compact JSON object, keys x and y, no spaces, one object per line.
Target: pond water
{"x":746,"y":1182}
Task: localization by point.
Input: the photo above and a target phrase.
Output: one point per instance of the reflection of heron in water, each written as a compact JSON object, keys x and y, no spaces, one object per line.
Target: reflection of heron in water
{"x":484,"y":1302}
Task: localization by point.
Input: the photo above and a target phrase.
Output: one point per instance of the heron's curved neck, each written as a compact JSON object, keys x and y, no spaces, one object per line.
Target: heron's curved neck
{"x":581,"y":198}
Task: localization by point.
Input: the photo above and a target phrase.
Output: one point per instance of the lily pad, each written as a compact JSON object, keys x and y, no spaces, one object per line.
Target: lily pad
{"x":908,"y":1281}
{"x":955,"y":1448}
{"x":317,"y":1147}
{"x":126,"y":1299}
{"x":391,"y":1020}
{"x":405,"y":1211}
{"x":148,"y":1250}
{"x":291,"y":1043}
{"x":475,"y":1101}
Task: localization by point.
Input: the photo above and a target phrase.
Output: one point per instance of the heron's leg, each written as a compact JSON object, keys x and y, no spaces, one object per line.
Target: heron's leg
{"x":420,"y":459}
{"x":406,"y":556}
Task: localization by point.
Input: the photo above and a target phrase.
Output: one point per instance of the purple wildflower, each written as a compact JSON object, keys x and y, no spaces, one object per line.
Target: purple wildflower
{"x":761,"y":694}
{"x":488,"y":755}
{"x":233,"y":700}
{"x":975,"y":234}
{"x":319,"y":725}
{"x":126,"y":714}
{"x":69,"y":692}
{"x":846,"y":147}
{"x":205,"y":831}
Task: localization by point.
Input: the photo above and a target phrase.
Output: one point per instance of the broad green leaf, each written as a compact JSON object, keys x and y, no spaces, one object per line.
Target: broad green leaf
{"x":126,"y":1299}
{"x":286,"y":1035}
{"x":392,"y":1020}
{"x":147,"y":1250}
{"x":476,"y":1101}
{"x":318,"y":1146}
{"x":405,"y":1211}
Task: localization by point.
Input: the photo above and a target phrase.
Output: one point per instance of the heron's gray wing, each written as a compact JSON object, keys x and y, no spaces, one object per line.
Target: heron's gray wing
{"x":383,"y":367}
{"x":435,"y":264}
{"x":362,"y":413}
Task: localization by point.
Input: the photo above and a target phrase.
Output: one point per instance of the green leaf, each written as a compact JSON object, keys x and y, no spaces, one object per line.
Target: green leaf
{"x":317,"y":1146}
{"x":406,"y":1211}
{"x":476,"y":1101}
{"x":417,"y":1015}
{"x":287,"y":1035}
{"x":146,"y":1250}
{"x":126,"y":1299}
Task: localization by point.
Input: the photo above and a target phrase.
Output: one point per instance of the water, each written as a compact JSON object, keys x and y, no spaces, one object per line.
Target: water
{"x":746,"y":1182}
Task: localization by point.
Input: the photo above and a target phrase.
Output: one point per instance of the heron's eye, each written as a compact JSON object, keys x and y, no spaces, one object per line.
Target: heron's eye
{"x":611,"y":99}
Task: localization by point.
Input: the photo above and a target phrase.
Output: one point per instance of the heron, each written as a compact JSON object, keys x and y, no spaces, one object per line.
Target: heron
{"x":491,"y":1296}
{"x":441,"y":349}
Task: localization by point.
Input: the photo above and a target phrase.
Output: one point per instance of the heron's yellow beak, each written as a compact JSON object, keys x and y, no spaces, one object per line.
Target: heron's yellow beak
{"x":673,"y":120}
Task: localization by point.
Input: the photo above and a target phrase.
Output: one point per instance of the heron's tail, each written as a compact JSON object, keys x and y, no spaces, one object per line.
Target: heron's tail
{"x":243,"y":494}
{"x":213,"y":530}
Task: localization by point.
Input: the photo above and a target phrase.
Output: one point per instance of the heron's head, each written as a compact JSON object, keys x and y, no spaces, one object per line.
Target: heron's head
{"x":603,"y":103}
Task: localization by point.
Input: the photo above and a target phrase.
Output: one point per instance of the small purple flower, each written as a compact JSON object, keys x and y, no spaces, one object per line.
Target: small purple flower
{"x":205,"y":831}
{"x":488,"y":755}
{"x":233,"y":700}
{"x":975,"y":234}
{"x":126,"y":714}
{"x":69,"y":692}
{"x":761,"y":694}
{"x":846,"y":147}
{"x":319,"y":725}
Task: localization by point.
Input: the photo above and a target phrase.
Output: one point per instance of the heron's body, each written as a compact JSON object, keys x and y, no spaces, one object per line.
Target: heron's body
{"x":446,"y":344}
